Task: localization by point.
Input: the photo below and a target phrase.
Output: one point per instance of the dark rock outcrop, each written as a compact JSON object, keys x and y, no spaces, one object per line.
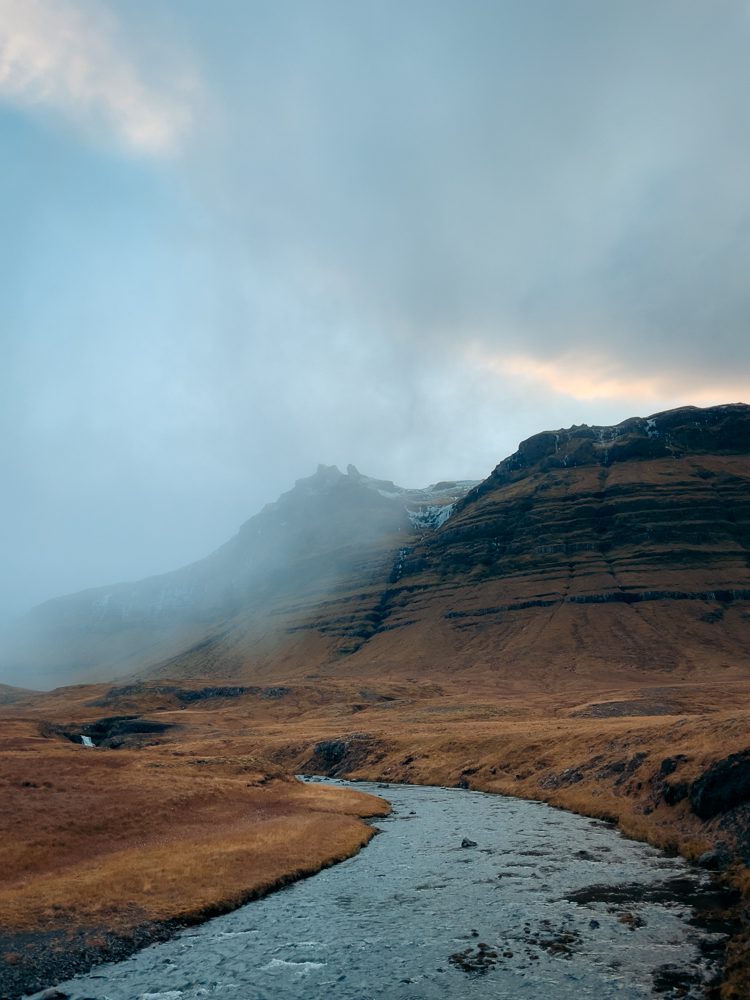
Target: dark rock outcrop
{"x":337,"y":757}
{"x":725,"y":785}
{"x":113,"y":733}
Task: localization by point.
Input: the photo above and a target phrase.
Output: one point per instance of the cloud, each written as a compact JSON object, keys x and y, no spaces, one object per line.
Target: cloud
{"x":410,"y":236}
{"x":587,"y":378}
{"x":554,"y":177}
{"x":71,"y":58}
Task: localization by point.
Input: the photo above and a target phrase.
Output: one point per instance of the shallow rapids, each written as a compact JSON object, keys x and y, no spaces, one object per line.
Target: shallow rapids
{"x":418,"y":916}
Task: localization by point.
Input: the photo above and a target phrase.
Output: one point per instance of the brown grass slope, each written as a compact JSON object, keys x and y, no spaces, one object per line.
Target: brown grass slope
{"x":102,"y":851}
{"x":192,"y":784}
{"x":595,"y":552}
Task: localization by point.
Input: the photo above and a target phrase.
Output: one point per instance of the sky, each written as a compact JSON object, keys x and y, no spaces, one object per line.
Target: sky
{"x":241,"y":238}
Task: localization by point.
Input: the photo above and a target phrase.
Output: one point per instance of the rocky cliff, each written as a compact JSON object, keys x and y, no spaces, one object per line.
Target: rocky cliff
{"x":591,"y":552}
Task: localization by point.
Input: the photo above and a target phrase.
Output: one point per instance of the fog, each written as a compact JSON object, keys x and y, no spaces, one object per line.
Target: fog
{"x":244,"y":238}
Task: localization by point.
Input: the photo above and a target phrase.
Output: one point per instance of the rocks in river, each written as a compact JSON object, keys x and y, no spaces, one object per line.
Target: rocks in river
{"x":675,"y":980}
{"x":557,"y":942}
{"x":561,"y":943}
{"x":583,"y":855}
{"x":468,"y":843}
{"x":475,"y":959}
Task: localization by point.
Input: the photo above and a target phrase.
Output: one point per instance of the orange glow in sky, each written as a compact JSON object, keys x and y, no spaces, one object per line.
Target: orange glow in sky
{"x":591,"y":378}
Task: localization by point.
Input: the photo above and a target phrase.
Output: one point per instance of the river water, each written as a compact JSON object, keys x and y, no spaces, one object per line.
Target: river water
{"x":416,"y":916}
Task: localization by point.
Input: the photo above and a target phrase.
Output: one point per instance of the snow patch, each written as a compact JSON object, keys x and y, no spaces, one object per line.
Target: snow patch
{"x":431,"y":517}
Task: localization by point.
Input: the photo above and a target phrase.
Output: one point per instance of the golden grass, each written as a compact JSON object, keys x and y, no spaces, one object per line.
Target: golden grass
{"x":209,"y":817}
{"x":116,"y":839}
{"x":186,"y":877}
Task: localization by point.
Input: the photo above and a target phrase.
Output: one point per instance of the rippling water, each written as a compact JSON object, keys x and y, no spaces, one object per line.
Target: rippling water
{"x":416,"y":916}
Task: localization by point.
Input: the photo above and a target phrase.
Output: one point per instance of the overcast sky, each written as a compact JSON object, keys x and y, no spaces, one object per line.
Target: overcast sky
{"x":240,"y":238}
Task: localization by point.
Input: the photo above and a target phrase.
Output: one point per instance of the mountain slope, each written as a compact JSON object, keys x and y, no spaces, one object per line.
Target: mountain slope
{"x":591,"y":551}
{"x":591,"y":554}
{"x":333,"y":533}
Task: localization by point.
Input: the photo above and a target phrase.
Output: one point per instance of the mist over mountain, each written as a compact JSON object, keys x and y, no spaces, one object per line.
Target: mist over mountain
{"x":408,"y":236}
{"x":591,"y":549}
{"x":333,"y":530}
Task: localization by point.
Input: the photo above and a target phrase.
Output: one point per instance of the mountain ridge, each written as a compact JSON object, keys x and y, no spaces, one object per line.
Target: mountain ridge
{"x":329,"y":526}
{"x":633,"y":540}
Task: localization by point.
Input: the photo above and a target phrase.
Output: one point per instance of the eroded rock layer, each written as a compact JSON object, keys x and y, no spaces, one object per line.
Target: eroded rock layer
{"x":603,"y":552}
{"x":591,"y":550}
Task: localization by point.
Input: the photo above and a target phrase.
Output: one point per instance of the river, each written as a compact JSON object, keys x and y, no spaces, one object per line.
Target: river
{"x":418,"y":916}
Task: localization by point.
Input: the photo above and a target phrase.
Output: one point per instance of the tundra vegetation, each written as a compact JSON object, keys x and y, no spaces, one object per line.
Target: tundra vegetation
{"x":195,"y":810}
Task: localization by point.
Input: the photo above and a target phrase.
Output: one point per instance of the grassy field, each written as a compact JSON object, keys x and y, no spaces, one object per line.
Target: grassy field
{"x":98,"y":844}
{"x":205,"y":815}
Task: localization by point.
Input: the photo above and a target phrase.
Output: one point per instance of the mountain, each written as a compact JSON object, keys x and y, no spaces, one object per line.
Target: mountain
{"x":333,"y":534}
{"x":592,"y":553}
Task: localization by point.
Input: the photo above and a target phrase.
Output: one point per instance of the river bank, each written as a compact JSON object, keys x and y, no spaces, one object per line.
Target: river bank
{"x":464,"y":895}
{"x":669,"y":766}
{"x":680,"y":784}
{"x":102,"y":853}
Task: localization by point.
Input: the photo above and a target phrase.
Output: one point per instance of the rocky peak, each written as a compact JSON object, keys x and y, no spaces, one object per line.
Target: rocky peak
{"x":328,"y":482}
{"x":672,"y":433}
{"x":324,"y":477}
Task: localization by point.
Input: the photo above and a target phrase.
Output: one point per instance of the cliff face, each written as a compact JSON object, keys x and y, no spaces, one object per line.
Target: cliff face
{"x":592,"y":550}
{"x":716,"y":430}
{"x":591,"y":553}
{"x":608,"y":513}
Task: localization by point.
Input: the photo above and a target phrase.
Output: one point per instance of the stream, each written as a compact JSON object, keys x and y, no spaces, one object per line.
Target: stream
{"x":543,"y":904}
